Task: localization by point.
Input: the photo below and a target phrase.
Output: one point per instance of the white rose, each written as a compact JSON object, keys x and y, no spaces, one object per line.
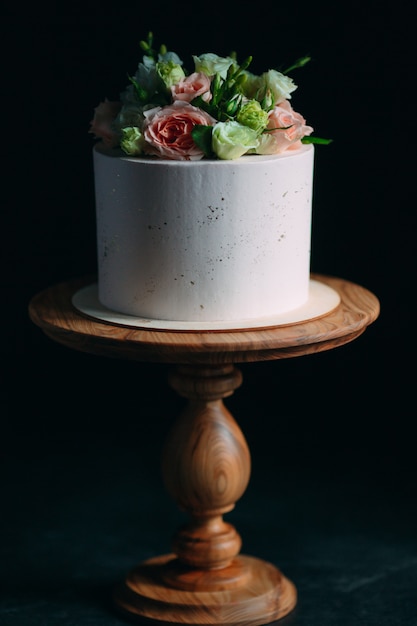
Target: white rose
{"x":212,"y":64}
{"x":281,"y":86}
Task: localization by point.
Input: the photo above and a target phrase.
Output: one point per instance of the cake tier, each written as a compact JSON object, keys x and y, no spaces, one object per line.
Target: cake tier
{"x":204,"y":240}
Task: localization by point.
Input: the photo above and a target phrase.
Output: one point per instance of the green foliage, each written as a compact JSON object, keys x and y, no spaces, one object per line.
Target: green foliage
{"x":202,"y":137}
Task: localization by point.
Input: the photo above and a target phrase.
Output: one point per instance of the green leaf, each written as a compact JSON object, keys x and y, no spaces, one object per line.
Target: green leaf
{"x":141,"y":93}
{"x":319,"y":140}
{"x":271,"y":130}
{"x":202,"y":138}
{"x":205,"y":106}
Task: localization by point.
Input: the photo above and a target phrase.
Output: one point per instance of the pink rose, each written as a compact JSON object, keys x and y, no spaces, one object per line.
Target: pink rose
{"x":287,"y":128}
{"x":167,"y":131}
{"x":101,"y":124}
{"x":197,"y":84}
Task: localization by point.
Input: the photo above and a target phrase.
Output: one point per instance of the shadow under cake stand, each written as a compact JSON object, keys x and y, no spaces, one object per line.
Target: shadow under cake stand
{"x":206,"y":462}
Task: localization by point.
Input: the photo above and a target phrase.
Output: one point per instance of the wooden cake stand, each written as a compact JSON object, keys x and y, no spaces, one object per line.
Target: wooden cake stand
{"x":206,"y":461}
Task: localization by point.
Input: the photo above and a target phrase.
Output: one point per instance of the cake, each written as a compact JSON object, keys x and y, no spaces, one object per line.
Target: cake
{"x":203,"y":187}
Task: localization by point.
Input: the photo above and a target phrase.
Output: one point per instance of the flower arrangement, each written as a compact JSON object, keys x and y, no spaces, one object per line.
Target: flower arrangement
{"x":218,"y":111}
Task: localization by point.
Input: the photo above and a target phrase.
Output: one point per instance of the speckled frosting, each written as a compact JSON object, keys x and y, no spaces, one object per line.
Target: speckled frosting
{"x":205,"y":240}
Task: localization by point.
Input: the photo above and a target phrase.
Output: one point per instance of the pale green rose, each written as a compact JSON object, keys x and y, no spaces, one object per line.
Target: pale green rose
{"x":251,"y":114}
{"x":212,"y":64}
{"x":132,"y":141}
{"x":230,"y":140}
{"x":280,"y":85}
{"x":170,"y":73}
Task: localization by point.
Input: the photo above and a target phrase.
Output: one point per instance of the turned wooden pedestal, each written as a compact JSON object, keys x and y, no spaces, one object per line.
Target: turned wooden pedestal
{"x":206,"y":462}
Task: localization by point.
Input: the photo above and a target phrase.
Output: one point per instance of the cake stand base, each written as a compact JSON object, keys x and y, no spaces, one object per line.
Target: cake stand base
{"x":249,"y":592}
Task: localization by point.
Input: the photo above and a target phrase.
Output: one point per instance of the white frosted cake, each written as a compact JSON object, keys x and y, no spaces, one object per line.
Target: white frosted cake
{"x":204,"y":240}
{"x":203,"y":185}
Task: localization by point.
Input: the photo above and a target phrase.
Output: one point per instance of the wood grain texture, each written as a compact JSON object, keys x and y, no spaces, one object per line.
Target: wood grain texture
{"x":53,"y":312}
{"x":267,"y":596}
{"x":206,"y":467}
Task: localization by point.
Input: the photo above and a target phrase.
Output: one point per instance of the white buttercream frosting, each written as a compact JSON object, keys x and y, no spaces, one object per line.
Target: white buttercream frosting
{"x":205,"y":240}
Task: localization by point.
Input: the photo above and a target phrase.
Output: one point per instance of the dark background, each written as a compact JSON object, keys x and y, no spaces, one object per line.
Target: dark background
{"x":332,"y":497}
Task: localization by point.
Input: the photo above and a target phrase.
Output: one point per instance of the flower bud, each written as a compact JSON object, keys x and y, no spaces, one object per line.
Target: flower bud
{"x":233,"y":105}
{"x":267,"y":102}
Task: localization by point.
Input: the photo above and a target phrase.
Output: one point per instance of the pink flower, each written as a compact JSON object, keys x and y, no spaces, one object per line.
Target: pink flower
{"x":101,"y":124}
{"x":287,"y":128}
{"x":167,"y":131}
{"x":197,"y":84}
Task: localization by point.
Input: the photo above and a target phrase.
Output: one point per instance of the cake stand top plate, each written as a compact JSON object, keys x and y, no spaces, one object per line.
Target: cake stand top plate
{"x":54,"y":312}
